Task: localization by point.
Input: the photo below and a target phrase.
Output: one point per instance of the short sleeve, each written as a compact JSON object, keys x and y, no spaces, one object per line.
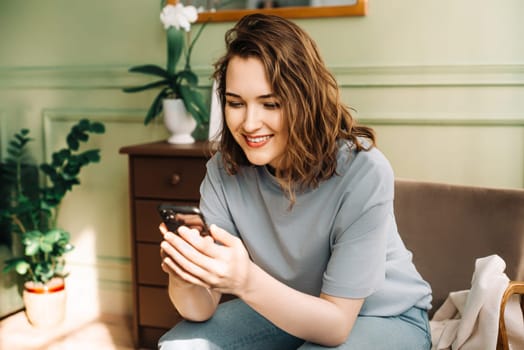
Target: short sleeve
{"x":213,"y":203}
{"x":358,"y":241}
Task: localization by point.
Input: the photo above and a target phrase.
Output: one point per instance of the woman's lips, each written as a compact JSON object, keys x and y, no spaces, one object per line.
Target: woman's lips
{"x":257,"y":141}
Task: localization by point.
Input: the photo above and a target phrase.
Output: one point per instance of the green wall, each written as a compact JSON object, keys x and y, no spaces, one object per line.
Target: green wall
{"x":441,"y":81}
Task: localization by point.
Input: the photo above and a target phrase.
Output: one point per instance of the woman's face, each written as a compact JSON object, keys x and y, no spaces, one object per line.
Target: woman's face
{"x":253,"y":113}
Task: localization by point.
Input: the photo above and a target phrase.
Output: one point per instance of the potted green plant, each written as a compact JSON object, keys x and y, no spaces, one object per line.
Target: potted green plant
{"x":31,"y":217}
{"x":178,"y":89}
{"x":10,"y":283}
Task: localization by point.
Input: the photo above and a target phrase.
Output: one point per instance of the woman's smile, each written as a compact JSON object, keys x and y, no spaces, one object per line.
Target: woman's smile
{"x":257,"y":141}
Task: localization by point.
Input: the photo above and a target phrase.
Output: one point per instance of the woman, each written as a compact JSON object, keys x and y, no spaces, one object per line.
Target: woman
{"x":301,"y":206}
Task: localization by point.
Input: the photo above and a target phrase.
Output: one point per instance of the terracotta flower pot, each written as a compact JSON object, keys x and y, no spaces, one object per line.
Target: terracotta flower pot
{"x":45,"y":303}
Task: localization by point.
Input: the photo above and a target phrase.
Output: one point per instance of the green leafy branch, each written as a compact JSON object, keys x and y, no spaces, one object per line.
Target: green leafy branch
{"x":43,"y":255}
{"x":66,"y":164}
{"x":32,"y":212}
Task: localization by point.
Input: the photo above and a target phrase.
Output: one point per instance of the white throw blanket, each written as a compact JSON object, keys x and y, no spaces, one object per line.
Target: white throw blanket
{"x":468,"y":319}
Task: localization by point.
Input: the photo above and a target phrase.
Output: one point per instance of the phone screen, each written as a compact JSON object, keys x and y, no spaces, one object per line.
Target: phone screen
{"x":175,"y":216}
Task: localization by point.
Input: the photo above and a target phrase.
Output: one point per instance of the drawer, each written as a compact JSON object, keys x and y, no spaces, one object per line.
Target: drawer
{"x":149,"y":336}
{"x":147,"y":219}
{"x":148,"y":265}
{"x":168,"y":177}
{"x":155,"y":308}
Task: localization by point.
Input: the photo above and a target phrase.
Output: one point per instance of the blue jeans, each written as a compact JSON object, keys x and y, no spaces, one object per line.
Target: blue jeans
{"x":235,"y":326}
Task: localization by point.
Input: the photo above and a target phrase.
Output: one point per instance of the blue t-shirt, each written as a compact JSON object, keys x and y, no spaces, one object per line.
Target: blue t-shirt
{"x":340,"y":238}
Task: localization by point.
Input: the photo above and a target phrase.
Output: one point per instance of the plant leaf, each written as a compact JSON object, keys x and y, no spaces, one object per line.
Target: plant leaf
{"x":52,"y":236}
{"x":156,"y":106}
{"x":146,"y":87}
{"x":47,"y":169}
{"x":22,"y":267}
{"x":91,"y":156}
{"x":72,"y":142}
{"x":150,"y":69}
{"x":190,"y":77}
{"x":31,"y":242}
{"x":18,"y":264}
{"x":97,"y":128}
{"x":193,"y":42}
{"x":83,"y":125}
{"x":175,"y":44}
{"x":80,"y":134}
{"x":60,"y":157}
{"x":195,"y":104}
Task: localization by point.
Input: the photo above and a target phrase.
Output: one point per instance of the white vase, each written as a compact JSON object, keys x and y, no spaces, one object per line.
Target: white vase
{"x":178,"y":121}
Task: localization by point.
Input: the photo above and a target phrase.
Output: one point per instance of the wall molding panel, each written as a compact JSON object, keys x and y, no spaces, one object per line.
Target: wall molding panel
{"x":117,"y":77}
{"x":475,"y":151}
{"x":445,"y":75}
{"x":67,"y":77}
{"x":110,"y":115}
{"x":517,"y":122}
{"x":119,"y":115}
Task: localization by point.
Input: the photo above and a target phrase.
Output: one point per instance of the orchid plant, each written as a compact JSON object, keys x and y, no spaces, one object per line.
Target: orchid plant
{"x":177,"y":20}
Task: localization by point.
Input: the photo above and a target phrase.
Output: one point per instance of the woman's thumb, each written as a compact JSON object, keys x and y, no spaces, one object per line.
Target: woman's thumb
{"x":221,"y":235}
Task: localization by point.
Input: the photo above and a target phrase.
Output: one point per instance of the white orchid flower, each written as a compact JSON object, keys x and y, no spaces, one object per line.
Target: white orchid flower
{"x":178,"y":16}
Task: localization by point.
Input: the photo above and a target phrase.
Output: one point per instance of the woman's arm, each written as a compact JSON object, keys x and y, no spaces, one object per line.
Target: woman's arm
{"x":226,"y":268}
{"x":193,"y":302}
{"x":325,"y":320}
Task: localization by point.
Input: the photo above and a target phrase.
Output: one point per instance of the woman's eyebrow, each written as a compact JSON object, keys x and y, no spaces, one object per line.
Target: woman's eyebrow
{"x":266,"y":96}
{"x":231,"y":94}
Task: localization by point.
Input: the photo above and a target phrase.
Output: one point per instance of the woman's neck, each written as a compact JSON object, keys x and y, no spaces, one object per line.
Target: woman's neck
{"x":271,"y":169}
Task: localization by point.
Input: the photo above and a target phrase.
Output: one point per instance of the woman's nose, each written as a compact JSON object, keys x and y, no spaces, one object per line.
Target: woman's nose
{"x":252,"y":119}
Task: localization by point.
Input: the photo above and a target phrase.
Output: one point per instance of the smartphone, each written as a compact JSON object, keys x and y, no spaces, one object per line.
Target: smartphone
{"x":178,"y":215}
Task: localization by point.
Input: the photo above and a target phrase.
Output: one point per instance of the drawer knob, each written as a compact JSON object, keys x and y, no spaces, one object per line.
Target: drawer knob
{"x":175,"y":179}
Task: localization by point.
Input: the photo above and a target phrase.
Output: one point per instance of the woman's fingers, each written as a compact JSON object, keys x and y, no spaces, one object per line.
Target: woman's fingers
{"x":183,"y":254}
{"x":210,"y":257}
{"x":194,"y":247}
{"x":222,"y":236}
{"x":204,"y":262}
{"x":189,"y":261}
{"x":169,"y":266}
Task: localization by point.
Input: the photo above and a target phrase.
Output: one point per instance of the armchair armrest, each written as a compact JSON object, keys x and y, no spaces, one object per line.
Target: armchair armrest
{"x":514,"y":287}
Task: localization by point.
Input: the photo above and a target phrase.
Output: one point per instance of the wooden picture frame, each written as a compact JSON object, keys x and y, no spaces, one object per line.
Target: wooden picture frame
{"x":359,"y":8}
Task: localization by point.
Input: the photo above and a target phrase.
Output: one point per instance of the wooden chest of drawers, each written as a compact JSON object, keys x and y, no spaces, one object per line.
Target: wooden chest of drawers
{"x":158,"y":172}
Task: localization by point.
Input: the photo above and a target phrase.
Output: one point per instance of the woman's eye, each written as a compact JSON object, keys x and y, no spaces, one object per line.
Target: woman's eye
{"x":234,"y":104}
{"x":272,"y":105}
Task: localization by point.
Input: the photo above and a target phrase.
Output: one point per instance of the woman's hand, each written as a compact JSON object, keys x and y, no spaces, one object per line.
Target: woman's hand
{"x":219,"y":262}
{"x":168,"y":265}
{"x":193,"y":301}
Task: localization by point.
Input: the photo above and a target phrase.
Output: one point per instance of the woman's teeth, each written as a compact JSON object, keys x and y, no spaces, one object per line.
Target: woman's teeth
{"x":257,"y":139}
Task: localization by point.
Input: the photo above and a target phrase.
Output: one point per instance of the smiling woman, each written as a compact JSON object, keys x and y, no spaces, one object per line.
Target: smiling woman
{"x":300,"y":206}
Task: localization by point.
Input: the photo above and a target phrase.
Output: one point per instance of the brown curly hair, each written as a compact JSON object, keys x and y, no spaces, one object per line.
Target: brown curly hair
{"x":309,"y":97}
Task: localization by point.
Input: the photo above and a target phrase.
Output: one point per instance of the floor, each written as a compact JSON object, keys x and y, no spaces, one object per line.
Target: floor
{"x":104,"y":332}
{"x":84,"y":325}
